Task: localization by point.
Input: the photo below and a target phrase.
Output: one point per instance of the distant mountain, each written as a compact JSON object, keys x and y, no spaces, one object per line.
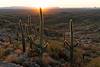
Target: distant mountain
{"x":30,"y":10}
{"x":16,"y":7}
{"x":23,"y":7}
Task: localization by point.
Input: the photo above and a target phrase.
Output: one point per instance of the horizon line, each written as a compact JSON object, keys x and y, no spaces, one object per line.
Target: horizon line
{"x":46,"y":7}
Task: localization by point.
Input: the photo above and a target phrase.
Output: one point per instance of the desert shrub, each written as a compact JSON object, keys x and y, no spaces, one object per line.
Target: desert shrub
{"x":7,"y":51}
{"x":11,"y":58}
{"x":78,"y":57}
{"x":46,"y":59}
{"x":98,"y":53}
{"x":94,"y":63}
{"x":18,"y":51}
{"x":2,"y":53}
{"x":20,"y":60}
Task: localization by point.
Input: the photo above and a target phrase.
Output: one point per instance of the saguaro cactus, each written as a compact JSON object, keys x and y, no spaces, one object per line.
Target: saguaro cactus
{"x":71,"y":45}
{"x":22,"y":34}
{"x":41,"y":47}
{"x":41,"y":26}
{"x":30,"y":32}
{"x":29,"y":25}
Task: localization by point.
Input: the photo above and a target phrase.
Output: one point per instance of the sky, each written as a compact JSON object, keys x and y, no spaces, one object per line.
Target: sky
{"x":50,"y":3}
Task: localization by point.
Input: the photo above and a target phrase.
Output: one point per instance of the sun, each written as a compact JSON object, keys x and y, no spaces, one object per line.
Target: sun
{"x":43,"y":3}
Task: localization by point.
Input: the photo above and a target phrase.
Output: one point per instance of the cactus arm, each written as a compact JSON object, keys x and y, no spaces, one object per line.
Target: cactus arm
{"x":66,"y":44}
{"x":76,"y":44}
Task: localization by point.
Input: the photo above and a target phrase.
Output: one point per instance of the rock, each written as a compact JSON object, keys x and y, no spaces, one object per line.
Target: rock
{"x":34,"y":65}
{"x":47,"y":60}
{"x":18,"y":51}
{"x":30,"y":63}
{"x":11,"y":58}
{"x":4,"y":64}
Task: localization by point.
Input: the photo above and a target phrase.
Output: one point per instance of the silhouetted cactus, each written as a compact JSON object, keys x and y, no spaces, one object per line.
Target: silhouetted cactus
{"x":22,"y":34}
{"x":41,"y":26}
{"x":29,"y":25}
{"x":30,"y":31}
{"x":70,"y":46}
{"x":40,"y":47}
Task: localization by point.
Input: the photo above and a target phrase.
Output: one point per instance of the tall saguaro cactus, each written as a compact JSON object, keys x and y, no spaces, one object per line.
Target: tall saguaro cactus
{"x":41,"y":47}
{"x":41,"y":26}
{"x":30,"y":32}
{"x":29,"y":25}
{"x":22,"y":34}
{"x":70,"y":46}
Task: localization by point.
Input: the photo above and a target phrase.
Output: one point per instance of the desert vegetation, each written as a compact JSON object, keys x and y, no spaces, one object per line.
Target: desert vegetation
{"x":66,"y":38}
